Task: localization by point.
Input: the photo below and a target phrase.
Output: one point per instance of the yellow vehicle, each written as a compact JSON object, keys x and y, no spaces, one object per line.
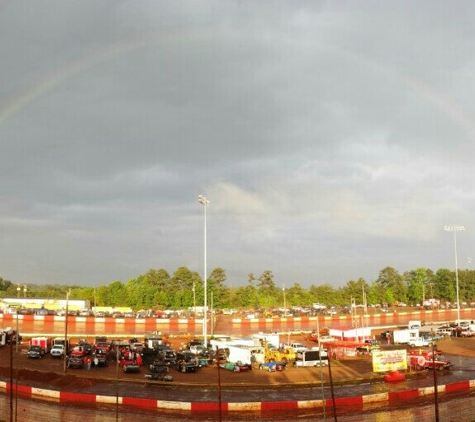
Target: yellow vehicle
{"x":272,"y":354}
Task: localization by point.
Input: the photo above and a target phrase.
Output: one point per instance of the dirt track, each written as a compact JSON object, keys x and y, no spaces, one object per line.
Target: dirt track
{"x":49,"y":372}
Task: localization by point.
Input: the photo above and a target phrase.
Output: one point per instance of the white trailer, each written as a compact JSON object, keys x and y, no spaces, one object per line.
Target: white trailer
{"x":245,"y":354}
{"x":312,"y":357}
{"x":403,"y":336}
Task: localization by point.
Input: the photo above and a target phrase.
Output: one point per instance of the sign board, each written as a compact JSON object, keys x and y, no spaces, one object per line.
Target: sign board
{"x":389,"y":360}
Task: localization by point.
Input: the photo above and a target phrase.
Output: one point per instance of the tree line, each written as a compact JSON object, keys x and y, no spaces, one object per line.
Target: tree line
{"x":158,"y":289}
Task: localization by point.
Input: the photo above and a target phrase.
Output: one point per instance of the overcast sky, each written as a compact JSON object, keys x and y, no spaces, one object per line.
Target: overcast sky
{"x":332,"y":138}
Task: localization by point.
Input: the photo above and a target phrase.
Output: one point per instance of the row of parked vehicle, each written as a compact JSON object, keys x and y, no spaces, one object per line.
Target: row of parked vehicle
{"x":130,"y":355}
{"x":160,"y":358}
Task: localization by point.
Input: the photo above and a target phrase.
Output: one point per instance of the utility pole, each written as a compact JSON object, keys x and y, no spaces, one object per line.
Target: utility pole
{"x":66,"y":331}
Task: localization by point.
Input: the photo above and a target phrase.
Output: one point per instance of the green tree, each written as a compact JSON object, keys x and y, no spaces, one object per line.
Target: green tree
{"x":296,"y":295}
{"x":390,"y":287}
{"x":217,"y":288}
{"x":181,"y":287}
{"x":324,"y":293}
{"x":84,"y":293}
{"x":267,"y":289}
{"x":354,"y":290}
{"x":418,"y":282}
{"x":116,"y":294}
{"x":159,"y":282}
{"x":444,"y":285}
{"x":4,"y":285}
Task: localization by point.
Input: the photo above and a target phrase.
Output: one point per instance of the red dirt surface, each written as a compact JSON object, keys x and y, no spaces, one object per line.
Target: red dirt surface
{"x":49,"y":372}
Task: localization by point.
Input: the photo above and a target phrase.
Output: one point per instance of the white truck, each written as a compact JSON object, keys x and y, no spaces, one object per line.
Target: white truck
{"x":297,"y":347}
{"x":414,"y":325}
{"x":404,"y":336}
{"x":61,"y":341}
{"x":420,"y":342}
{"x":57,"y":351}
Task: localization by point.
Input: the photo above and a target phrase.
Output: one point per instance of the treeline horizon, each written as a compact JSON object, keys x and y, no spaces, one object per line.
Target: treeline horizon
{"x":157,"y":289}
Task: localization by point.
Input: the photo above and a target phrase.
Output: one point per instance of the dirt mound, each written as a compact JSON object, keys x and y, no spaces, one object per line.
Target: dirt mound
{"x":53,"y":379}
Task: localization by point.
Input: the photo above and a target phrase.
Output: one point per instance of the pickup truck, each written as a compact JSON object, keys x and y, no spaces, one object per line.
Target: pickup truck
{"x":296,"y":347}
{"x":75,"y":362}
{"x":36,"y":352}
{"x":419,"y":342}
{"x":57,"y":351}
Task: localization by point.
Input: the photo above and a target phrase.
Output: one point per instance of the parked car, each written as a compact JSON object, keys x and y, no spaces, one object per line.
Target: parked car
{"x":445,"y":331}
{"x":102,"y":345}
{"x":136,"y":347}
{"x":369,"y":346}
{"x":76,"y":362}
{"x":186,"y":362}
{"x":236,"y":367}
{"x":36,"y":352}
{"x":324,"y":339}
{"x":158,"y":377}
{"x":131,"y":366}
{"x":272,"y":366}
{"x":197,"y":349}
{"x":57,"y":351}
{"x":297,"y":347}
{"x":102,"y":357}
{"x":86,"y":346}
{"x":167,"y":356}
{"x":158,"y":367}
{"x":78,"y":351}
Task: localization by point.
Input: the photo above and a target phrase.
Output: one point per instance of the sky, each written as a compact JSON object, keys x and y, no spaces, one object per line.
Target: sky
{"x":332,"y":139}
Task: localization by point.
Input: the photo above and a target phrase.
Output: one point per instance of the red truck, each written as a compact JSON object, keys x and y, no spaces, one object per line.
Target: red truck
{"x":425,"y":359}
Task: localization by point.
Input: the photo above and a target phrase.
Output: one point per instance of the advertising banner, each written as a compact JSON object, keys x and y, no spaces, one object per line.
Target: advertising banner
{"x":389,"y":360}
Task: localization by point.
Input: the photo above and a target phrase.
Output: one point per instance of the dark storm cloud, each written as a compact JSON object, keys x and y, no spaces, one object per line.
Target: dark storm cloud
{"x":332,"y":138}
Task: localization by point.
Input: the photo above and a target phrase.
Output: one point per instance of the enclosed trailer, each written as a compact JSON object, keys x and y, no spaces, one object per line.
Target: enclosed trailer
{"x":312,"y":357}
{"x":245,"y":354}
{"x":403,"y":336}
{"x":43,"y":342}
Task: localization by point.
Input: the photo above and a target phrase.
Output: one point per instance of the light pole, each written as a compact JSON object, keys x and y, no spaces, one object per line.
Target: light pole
{"x":65,"y":362}
{"x":204,"y":201}
{"x":456,"y":229}
{"x":194,"y":299}
{"x":365,"y":303}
